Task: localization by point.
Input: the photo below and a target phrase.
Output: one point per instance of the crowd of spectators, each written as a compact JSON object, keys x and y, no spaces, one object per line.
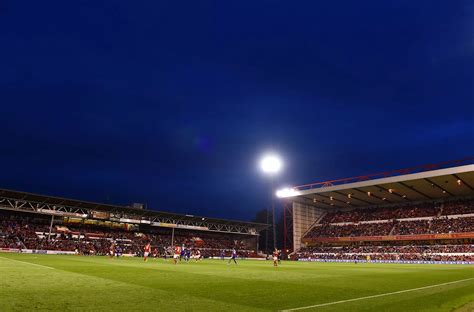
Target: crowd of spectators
{"x":411,"y":227}
{"x":421,"y":249}
{"x":435,"y":226}
{"x":23,"y":232}
{"x":464,"y":252}
{"x":457,"y":225}
{"x":386,"y":213}
{"x":390,"y":222}
{"x":354,"y":230}
{"x":401,"y":212}
{"x":458,"y":207}
{"x":393,"y":257}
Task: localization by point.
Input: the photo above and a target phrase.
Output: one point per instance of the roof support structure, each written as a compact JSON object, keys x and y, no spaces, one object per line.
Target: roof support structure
{"x":415,"y":190}
{"x":445,"y":191}
{"x":372,"y":195}
{"x":352,"y":197}
{"x":463,"y":182}
{"x":393,"y":192}
{"x":337,"y":200}
{"x":288,"y":227}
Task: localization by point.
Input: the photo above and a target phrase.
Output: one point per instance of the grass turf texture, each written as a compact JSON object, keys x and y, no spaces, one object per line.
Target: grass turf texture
{"x":51,"y":282}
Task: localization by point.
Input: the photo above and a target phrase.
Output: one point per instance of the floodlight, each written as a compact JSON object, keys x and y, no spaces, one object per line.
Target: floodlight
{"x":287,"y":192}
{"x":271,"y":164}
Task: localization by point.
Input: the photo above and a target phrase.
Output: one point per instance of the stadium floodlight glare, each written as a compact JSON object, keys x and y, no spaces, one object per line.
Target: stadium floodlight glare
{"x":271,"y":164}
{"x":287,"y":192}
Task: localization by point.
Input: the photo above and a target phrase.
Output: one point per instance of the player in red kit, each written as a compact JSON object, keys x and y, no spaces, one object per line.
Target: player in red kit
{"x":146,"y":252}
{"x":275,"y":257}
{"x":177,"y":253}
{"x":197,"y":255}
{"x":112,"y":250}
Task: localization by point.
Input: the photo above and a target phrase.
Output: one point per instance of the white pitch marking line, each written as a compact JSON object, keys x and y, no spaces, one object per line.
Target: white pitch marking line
{"x":38,"y":265}
{"x":376,"y":296}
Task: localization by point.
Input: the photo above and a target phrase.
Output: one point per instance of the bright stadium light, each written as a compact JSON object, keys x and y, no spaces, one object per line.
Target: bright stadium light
{"x":287,"y":192}
{"x":271,"y":164}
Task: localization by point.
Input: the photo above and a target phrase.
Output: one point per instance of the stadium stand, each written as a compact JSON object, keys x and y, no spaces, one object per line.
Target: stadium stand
{"x":423,"y":216}
{"x":463,"y":222}
{"x":21,"y":231}
{"x":403,"y":223}
{"x":43,"y":224}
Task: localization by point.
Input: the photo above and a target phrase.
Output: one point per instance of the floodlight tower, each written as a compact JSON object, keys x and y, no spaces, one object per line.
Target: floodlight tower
{"x":271,"y":165}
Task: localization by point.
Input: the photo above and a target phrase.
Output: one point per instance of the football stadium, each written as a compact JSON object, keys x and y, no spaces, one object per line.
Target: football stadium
{"x":208,"y":156}
{"x":391,"y":241}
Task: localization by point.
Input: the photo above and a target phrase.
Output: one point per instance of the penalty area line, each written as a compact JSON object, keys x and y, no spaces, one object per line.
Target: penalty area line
{"x":25,"y":262}
{"x":376,"y":296}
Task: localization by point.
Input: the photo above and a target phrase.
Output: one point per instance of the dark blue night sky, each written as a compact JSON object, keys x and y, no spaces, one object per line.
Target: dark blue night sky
{"x":172,"y":102}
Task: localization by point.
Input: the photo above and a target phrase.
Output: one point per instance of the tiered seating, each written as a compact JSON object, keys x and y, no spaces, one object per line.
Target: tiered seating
{"x":465,"y":248}
{"x":387,"y":213}
{"x":402,"y":212}
{"x":411,"y":227}
{"x":420,"y":222}
{"x":455,"y":252}
{"x":460,"y":207}
{"x":18,"y":231}
{"x":429,"y":223}
{"x":458,"y":225}
{"x":364,"y":229}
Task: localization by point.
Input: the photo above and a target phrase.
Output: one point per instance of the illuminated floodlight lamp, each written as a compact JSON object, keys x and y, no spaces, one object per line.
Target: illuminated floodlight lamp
{"x":271,"y":164}
{"x":287,"y":192}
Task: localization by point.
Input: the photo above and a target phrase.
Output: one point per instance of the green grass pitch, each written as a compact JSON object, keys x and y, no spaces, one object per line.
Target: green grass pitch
{"x":77,"y":283}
